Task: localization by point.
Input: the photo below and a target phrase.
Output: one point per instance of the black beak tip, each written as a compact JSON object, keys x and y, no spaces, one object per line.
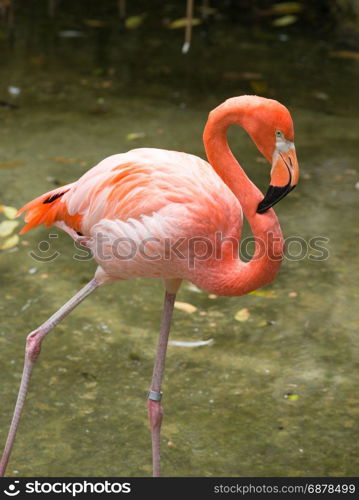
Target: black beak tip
{"x":273,"y":195}
{"x":262,"y":208}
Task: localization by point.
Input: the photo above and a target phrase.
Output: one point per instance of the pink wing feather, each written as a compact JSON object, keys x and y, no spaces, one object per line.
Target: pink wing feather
{"x":142,"y":194}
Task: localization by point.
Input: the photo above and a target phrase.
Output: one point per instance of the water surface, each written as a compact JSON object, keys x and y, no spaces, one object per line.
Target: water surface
{"x":273,"y":396}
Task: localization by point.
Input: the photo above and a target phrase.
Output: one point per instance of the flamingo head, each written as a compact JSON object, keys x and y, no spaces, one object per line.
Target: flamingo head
{"x":274,"y":137}
{"x":270,"y":126}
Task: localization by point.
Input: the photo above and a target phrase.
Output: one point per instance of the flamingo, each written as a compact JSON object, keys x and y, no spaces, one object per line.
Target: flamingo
{"x":149,"y":199}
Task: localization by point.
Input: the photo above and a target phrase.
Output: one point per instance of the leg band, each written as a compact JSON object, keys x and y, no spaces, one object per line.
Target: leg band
{"x":154,"y":396}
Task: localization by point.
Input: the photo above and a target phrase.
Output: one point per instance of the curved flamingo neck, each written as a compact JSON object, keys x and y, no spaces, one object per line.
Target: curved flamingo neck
{"x":236,"y":276}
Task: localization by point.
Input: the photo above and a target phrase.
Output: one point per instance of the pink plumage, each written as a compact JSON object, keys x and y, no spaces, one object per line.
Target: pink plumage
{"x":163,"y":214}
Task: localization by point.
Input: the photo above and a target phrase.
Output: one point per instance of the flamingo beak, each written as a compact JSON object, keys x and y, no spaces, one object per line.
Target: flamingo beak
{"x":284,"y":178}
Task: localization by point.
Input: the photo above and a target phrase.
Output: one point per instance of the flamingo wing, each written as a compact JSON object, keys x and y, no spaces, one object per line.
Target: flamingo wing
{"x":144,"y":193}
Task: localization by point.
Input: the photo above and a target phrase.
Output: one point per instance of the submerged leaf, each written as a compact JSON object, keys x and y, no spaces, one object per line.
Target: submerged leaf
{"x":242,"y":315}
{"x":287,"y":8}
{"x":193,"y":288}
{"x":195,"y":343}
{"x":206,"y":10}
{"x":14,"y":91}
{"x":7,"y":227}
{"x":263,"y":323}
{"x":95,"y":23}
{"x":285,"y":21}
{"x":62,"y":159}
{"x":10,"y":242}
{"x":345,"y":54}
{"x":264,"y":293}
{"x":320,"y":95}
{"x":134,"y":22}
{"x":183,"y":22}
{"x":259,"y":87}
{"x":184,"y":306}
{"x":9,"y":212}
{"x":8,"y":164}
{"x":292,"y":397}
{"x":135,"y":135}
{"x":70,"y":34}
{"x":244,"y":75}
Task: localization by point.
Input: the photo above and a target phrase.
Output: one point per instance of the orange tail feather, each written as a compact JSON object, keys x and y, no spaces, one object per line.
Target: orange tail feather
{"x":45,"y":209}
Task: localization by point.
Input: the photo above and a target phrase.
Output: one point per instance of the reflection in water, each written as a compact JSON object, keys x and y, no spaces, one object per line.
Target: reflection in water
{"x":273,"y":395}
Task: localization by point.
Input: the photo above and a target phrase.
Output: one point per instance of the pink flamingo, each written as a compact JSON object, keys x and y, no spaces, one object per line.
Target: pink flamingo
{"x":150,"y":199}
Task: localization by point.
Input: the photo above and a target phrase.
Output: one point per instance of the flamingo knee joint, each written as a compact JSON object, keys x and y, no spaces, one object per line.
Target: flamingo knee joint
{"x":33,"y":345}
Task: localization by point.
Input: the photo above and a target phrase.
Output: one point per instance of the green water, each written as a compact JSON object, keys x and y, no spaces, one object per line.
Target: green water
{"x":227,"y":410}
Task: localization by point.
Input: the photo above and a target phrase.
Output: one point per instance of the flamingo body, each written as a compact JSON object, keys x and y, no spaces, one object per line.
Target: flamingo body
{"x":162,"y":214}
{"x":131,"y":207}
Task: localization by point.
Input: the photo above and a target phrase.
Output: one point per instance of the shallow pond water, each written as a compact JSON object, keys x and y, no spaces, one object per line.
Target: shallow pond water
{"x":275,"y":395}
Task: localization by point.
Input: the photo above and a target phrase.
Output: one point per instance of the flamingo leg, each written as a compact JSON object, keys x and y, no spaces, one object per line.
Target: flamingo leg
{"x":32,"y":351}
{"x":155,"y":410}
